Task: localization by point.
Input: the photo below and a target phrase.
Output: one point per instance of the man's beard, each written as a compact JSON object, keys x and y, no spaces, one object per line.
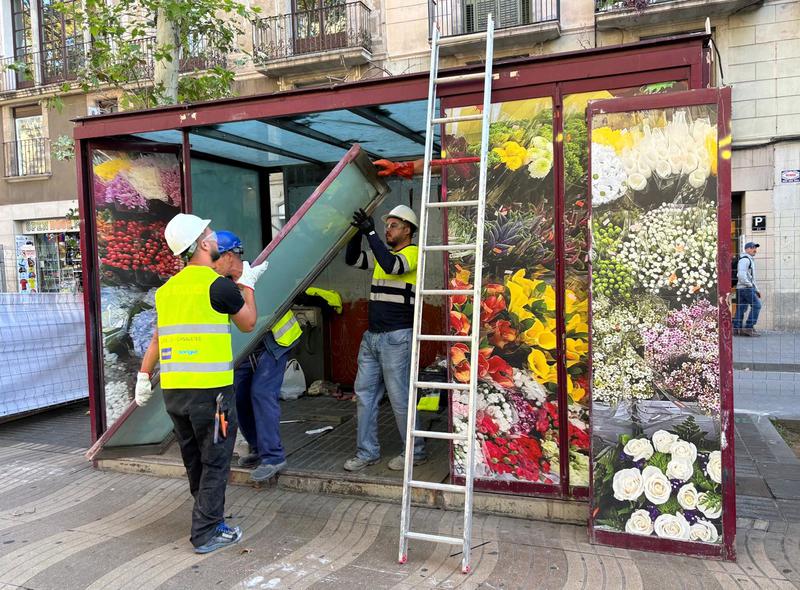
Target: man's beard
{"x":215,"y":254}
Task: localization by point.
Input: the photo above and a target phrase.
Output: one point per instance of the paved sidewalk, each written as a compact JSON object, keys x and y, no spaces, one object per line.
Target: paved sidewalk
{"x":68,"y":527}
{"x":65,"y":526}
{"x":772,"y":351}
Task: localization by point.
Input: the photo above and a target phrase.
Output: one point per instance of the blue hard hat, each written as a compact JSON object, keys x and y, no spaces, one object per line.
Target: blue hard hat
{"x":229,"y":242}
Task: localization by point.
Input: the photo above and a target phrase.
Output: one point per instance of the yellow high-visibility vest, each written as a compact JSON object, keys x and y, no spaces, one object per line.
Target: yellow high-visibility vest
{"x":194,"y":340}
{"x":287,"y":330}
{"x":396,"y":288}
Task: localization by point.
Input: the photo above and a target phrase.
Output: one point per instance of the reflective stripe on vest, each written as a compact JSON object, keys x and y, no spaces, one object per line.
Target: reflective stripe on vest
{"x":194,"y":340}
{"x":287,"y":330}
{"x":396,"y":288}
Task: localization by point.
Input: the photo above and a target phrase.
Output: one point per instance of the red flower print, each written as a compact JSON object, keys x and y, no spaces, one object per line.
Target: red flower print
{"x":501,"y":372}
{"x":491,"y":306}
{"x":460,"y":323}
{"x":503,"y":334}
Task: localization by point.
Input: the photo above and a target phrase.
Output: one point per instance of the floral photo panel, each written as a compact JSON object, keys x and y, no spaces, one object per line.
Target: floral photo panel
{"x":655,"y":342}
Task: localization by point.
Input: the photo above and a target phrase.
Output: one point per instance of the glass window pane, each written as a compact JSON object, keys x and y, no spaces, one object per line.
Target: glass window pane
{"x":576,"y":273}
{"x":135,"y":195}
{"x":655,"y":337}
{"x":242,"y":211}
{"x":517,"y":417}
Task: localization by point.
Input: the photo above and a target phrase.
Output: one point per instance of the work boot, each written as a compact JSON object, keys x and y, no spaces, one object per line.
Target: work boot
{"x":749,"y":332}
{"x":399,"y":462}
{"x":357,"y":463}
{"x":223,"y":537}
{"x":252,"y":459}
{"x":267,"y":471}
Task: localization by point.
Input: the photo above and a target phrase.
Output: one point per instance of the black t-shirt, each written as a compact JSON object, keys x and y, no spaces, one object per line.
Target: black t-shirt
{"x":225,"y":296}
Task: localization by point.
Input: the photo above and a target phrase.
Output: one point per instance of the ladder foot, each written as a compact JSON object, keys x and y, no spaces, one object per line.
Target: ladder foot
{"x":466,"y":569}
{"x":403,"y":559}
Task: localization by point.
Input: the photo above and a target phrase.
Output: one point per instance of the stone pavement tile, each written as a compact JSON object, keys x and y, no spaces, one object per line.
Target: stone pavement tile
{"x":784,"y":553}
{"x":105,"y":504}
{"x":782,"y":489}
{"x":666,"y":574}
{"x":781,"y":471}
{"x":758,"y":508}
{"x":790,"y":509}
{"x":752,"y":486}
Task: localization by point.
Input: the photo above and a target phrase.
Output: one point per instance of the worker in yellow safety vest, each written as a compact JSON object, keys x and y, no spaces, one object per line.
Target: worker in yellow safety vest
{"x":257,"y":381}
{"x":192,"y":343}
{"x":384,"y":357}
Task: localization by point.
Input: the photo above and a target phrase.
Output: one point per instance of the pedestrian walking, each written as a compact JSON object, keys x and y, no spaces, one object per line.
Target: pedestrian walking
{"x":258,"y":380}
{"x":384,"y":357}
{"x":747,"y":294}
{"x":192,"y":344}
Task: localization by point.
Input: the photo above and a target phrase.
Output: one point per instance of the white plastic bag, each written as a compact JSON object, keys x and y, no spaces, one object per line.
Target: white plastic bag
{"x":294,"y":381}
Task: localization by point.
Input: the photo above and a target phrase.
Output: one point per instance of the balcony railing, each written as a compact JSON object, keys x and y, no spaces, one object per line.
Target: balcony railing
{"x":341,"y":26}
{"x":27,"y":157}
{"x":616,"y":5}
{"x":62,"y":64}
{"x":461,"y":17}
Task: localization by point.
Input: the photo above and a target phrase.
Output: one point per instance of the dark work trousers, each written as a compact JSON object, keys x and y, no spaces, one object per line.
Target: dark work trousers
{"x":207,"y":464}
{"x":258,"y":403}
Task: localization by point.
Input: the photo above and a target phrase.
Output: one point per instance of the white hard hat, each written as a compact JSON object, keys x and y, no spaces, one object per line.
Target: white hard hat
{"x":404,"y":213}
{"x":182,"y":231}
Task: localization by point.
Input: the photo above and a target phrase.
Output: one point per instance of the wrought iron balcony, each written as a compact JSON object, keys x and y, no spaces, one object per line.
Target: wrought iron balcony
{"x":40,"y":68}
{"x":62,"y":64}
{"x":330,"y":28}
{"x":461,"y":17}
{"x":27,"y":157}
{"x":615,"y":14}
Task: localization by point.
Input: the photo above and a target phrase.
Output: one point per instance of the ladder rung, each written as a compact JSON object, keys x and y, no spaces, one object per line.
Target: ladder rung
{"x":434,"y":538}
{"x":438,"y":385}
{"x":449,"y":247}
{"x":467,"y":292}
{"x":440,"y":435}
{"x":441,"y":487}
{"x":460,"y":78}
{"x":443,"y":338}
{"x":472,"y":203}
{"x":456,"y":119}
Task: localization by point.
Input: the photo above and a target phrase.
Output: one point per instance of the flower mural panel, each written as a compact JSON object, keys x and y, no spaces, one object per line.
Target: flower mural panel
{"x":517,"y":406}
{"x":135,"y":195}
{"x":576,"y":246}
{"x":655,"y":338}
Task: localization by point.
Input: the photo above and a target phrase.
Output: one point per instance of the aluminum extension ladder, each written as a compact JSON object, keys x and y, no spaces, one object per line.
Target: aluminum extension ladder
{"x":480,"y":203}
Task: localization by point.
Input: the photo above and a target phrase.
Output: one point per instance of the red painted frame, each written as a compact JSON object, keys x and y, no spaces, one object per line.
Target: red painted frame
{"x":685,"y":51}
{"x":91,"y":279}
{"x":721,"y":98}
{"x":674,"y":58}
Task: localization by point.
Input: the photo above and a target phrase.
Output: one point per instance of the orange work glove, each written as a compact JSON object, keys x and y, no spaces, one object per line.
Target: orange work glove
{"x":389,"y":168}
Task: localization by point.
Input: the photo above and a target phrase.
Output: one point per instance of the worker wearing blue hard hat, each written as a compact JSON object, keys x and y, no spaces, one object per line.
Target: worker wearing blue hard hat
{"x":258,"y":380}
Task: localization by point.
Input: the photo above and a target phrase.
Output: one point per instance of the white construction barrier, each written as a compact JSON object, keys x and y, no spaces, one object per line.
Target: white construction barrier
{"x":42,"y":351}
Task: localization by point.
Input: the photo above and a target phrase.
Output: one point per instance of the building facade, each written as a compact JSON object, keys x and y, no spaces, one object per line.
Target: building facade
{"x":301,"y":43}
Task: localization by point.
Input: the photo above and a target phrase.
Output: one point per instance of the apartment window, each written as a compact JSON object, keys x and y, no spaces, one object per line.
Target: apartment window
{"x":21,"y":28}
{"x":320,"y":25}
{"x":61,"y":40}
{"x":27,"y":154}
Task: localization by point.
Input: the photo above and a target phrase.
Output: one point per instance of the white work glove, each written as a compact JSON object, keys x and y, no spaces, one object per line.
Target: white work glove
{"x":144,"y":391}
{"x":251,"y":274}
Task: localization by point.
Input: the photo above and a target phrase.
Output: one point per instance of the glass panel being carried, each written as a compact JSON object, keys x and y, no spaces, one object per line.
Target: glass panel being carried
{"x":308,"y":241}
{"x":659,"y":396}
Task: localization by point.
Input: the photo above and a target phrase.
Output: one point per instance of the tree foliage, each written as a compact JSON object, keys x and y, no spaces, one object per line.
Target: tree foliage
{"x":138,"y":46}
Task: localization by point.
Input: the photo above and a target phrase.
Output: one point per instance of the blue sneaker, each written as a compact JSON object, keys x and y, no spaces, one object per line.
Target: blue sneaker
{"x":223,"y":536}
